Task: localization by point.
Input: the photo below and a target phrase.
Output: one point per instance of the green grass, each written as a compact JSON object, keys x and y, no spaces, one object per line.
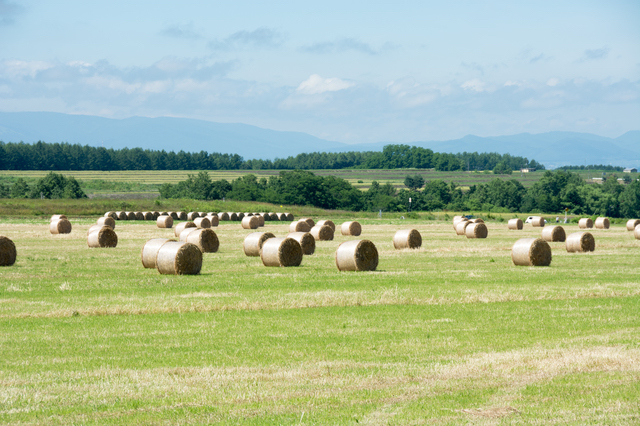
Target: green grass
{"x":451,"y":333}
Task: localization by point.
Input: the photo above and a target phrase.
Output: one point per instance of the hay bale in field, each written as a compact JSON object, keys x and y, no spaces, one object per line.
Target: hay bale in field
{"x":322,"y":232}
{"x":309,"y":221}
{"x":306,"y":240}
{"x":202,"y":222}
{"x":250,"y":222}
{"x":461,"y":227}
{"x":232,"y":216}
{"x":351,"y":228}
{"x":62,"y":226}
{"x":205,"y":238}
{"x":93,"y":228}
{"x":281,"y":252}
{"x":139,"y":215}
{"x":147,"y":215}
{"x":192,"y":215}
{"x":290,"y":217}
{"x":580,"y":242}
{"x":8,"y":251}
{"x":213,"y":220}
{"x":328,"y":223}
{"x":476,"y":230}
{"x":164,"y":214}
{"x":164,"y":221}
{"x":240,"y":216}
{"x":476,"y":220}
{"x":254,"y":241}
{"x":260,"y":220}
{"x":131,"y":215}
{"x":107,"y":221}
{"x":457,"y":219}
{"x":515,"y":224}
{"x":150,"y":251}
{"x":537,"y":221}
{"x":299,"y":226}
{"x":174,"y":215}
{"x":602,"y":223}
{"x":155,"y":215}
{"x":636,"y":232}
{"x":182,"y":226}
{"x":121,"y":215}
{"x":282,"y":217}
{"x":632,"y":223}
{"x":104,"y":237}
{"x":531,"y":252}
{"x":407,"y":239}
{"x":57,"y":217}
{"x":357,"y":255}
{"x":179,"y":258}
{"x":585,"y":223}
{"x":112,"y":215}
{"x":185,"y":232}
{"x":273,"y":216}
{"x":223,"y":216}
{"x":554,"y":233}
{"x":182,"y":215}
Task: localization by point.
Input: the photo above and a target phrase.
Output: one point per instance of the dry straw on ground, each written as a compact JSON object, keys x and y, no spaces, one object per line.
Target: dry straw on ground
{"x":8,"y":251}
{"x":580,"y":242}
{"x":357,"y":255}
{"x":192,"y":215}
{"x":407,"y":239}
{"x":531,"y":252}
{"x":250,"y":222}
{"x":179,"y":258}
{"x":322,"y":232}
{"x":61,"y":226}
{"x":202,"y":222}
{"x":139,"y":216}
{"x":632,"y":223}
{"x":164,"y":221}
{"x":476,"y":230}
{"x":105,"y":237}
{"x":515,"y":224}
{"x":554,"y":233}
{"x":602,"y":223}
{"x":299,"y":226}
{"x":107,"y":221}
{"x":254,"y":241}
{"x":351,"y":229}
{"x":182,"y":226}
{"x":461,"y":227}
{"x":150,"y":251}
{"x":206,"y":239}
{"x":281,"y":252}
{"x":537,"y":221}
{"x":306,"y":240}
{"x":57,"y":217}
{"x":585,"y":223}
{"x":328,"y":223}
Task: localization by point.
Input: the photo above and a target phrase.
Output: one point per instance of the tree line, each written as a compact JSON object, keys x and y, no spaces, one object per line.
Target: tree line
{"x":53,"y":185}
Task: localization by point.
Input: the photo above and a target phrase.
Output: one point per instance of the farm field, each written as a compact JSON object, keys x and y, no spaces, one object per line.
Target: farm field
{"x":452,"y":333}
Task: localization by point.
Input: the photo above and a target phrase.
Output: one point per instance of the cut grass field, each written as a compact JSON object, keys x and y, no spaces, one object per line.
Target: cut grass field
{"x":452,"y":333}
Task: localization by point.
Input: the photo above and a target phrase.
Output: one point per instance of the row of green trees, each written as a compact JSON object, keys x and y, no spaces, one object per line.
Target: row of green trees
{"x":63,"y":156}
{"x":52,"y":185}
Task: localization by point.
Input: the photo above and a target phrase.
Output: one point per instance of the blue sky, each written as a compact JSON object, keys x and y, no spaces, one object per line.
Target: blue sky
{"x":364,"y":71}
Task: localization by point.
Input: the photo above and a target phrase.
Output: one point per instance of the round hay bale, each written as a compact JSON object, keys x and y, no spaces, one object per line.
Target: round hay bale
{"x":265,"y":216}
{"x":602,"y":223}
{"x":457,"y":219}
{"x":179,"y":258}
{"x":112,"y":215}
{"x":8,"y":251}
{"x":254,"y":241}
{"x":130,"y":215}
{"x":174,"y":215}
{"x":205,"y":238}
{"x":290,"y":217}
{"x":357,"y":255}
{"x":185,"y":232}
{"x":250,"y":222}
{"x":328,"y":223}
{"x":632,"y":223}
{"x":164,"y":214}
{"x":554,"y":233}
{"x":299,"y":226}
{"x":580,"y":242}
{"x":202,"y":214}
{"x":461,"y":227}
{"x":139,"y":215}
{"x":104,"y":237}
{"x":147,"y":215}
{"x":585,"y":223}
{"x":232,"y":216}
{"x":322,"y":232}
{"x":150,"y":251}
{"x":62,"y":226}
{"x":107,"y":221}
{"x":155,"y":215}
{"x":57,"y":217}
{"x":122,"y":215}
{"x":309,"y":221}
{"x":164,"y":221}
{"x":281,"y":252}
{"x":515,"y":224}
{"x":531,"y":252}
{"x":94,"y":228}
{"x":476,"y":230}
{"x":537,"y":221}
{"x":213,"y":220}
{"x":202,"y":222}
{"x":249,"y":214}
{"x":476,"y":220}
{"x":192,"y":215}
{"x":636,"y":232}
{"x":240,"y":216}
{"x":306,"y":240}
{"x":273,"y":216}
{"x":182,"y":215}
{"x":182,"y":226}
{"x":223,"y":216}
{"x":260,"y":220}
{"x":351,"y":228}
{"x":407,"y":239}
{"x":282,"y":217}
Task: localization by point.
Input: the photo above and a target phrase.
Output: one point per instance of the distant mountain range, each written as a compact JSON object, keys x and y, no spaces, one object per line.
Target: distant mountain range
{"x":553,"y":149}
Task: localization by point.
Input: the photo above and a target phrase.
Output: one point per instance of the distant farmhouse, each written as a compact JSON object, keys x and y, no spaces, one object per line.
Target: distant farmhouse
{"x":630,"y":170}
{"x":527,"y":170}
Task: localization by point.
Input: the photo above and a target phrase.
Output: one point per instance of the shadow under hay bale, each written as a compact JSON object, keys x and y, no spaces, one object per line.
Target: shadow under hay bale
{"x":602,"y":223}
{"x":150,"y":251}
{"x":205,"y":238}
{"x":306,"y":240}
{"x":202,"y":222}
{"x":461,"y":227}
{"x":299,"y":226}
{"x":537,"y":221}
{"x":585,"y":223}
{"x":632,"y":223}
{"x":57,"y":217}
{"x":327,"y":223}
{"x":254,"y":241}
{"x":554,"y":233}
{"x":407,"y":239}
{"x":351,"y":229}
{"x":515,"y":224}
{"x":476,"y":230}
{"x":61,"y":226}
{"x":322,"y":232}
{"x":8,"y":252}
{"x":281,"y":252}
{"x":164,"y":222}
{"x":580,"y":242}
{"x":179,"y":258}
{"x":250,"y":222}
{"x":107,"y":221}
{"x":105,"y":237}
{"x":357,"y":255}
{"x":531,"y":252}
{"x":182,"y":226}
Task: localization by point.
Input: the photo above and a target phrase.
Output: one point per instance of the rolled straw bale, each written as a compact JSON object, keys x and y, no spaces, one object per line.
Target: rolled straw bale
{"x":192,"y":215}
{"x":130,"y":215}
{"x":249,"y":214}
{"x":306,"y":240}
{"x":461,"y":227}
{"x":205,"y":238}
{"x":232,"y":216}
{"x":164,"y":221}
{"x":150,"y":251}
{"x":147,"y":215}
{"x":636,"y":232}
{"x":213,"y":220}
{"x":223,"y":216}
{"x":202,"y":222}
{"x":537,"y":221}
{"x":357,"y":255}
{"x":328,"y":223}
{"x":282,"y":217}
{"x":254,"y":241}
{"x":602,"y":223}
{"x":580,"y":242}
{"x":164,"y":214}
{"x":179,"y":258}
{"x":240,"y":216}
{"x":632,"y":223}
{"x":476,"y":220}
{"x":476,"y":230}
{"x":155,"y":215}
{"x":182,"y":215}
{"x":290,"y":217}
{"x":299,"y":226}
{"x":94,"y":228}
{"x":281,"y":252}
{"x":211,"y":213}
{"x":250,"y":222}
{"x":107,"y":221}
{"x":407,"y":239}
{"x":322,"y":232}
{"x":515,"y":224}
{"x":185,"y":232}
{"x":351,"y":228}
{"x":112,"y":215}
{"x":585,"y":223}
{"x":8,"y":251}
{"x":139,"y":216}
{"x":457,"y":220}
{"x":121,"y":215}
{"x":174,"y":215}
{"x":57,"y":217}
{"x":62,"y":226}
{"x":531,"y":252}
{"x":202,"y":214}
{"x":260,"y":220}
{"x":554,"y":233}
{"x":103,"y":238}
{"x":309,"y":221}
{"x":182,"y":226}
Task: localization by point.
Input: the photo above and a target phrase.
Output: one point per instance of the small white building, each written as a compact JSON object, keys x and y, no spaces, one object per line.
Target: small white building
{"x":630,"y":170}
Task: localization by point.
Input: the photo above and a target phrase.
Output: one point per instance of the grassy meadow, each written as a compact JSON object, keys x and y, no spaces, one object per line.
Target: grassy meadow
{"x":452,"y":333}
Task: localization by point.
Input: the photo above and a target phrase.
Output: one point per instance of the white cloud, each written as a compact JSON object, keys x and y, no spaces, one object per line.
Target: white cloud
{"x":475,"y":85}
{"x":552,"y":82}
{"x":315,"y":85}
